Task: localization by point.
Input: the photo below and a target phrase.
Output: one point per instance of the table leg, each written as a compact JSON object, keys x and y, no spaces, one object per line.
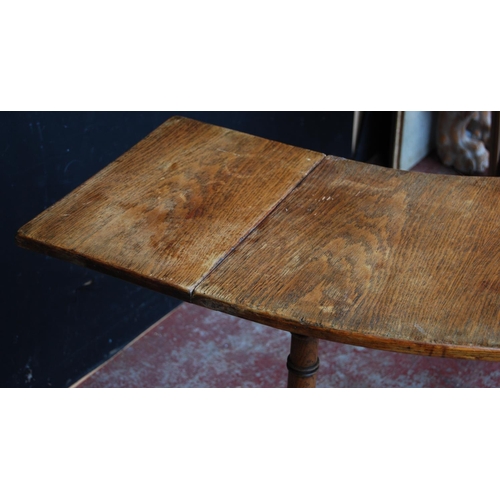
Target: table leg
{"x":303,"y":361}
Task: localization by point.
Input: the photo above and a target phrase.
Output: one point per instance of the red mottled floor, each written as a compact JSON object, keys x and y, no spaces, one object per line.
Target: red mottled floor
{"x":196,"y":347}
{"x":431,"y":164}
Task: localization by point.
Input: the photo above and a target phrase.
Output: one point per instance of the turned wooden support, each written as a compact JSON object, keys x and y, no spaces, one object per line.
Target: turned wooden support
{"x":303,"y":361}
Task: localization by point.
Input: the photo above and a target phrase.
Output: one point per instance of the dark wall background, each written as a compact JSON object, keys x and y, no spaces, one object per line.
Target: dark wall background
{"x":59,"y":321}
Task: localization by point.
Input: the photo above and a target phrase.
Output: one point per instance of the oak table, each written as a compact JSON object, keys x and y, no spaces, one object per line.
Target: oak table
{"x":323,"y":247}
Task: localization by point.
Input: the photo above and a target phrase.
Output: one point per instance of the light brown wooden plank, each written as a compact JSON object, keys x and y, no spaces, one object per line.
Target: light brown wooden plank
{"x":374,"y":257}
{"x":172,"y":207}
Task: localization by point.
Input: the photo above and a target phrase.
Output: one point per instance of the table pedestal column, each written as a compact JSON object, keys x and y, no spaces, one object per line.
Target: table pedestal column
{"x":303,"y":361}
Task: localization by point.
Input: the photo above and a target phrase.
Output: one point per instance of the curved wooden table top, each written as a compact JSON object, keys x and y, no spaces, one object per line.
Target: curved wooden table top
{"x":316,"y":245}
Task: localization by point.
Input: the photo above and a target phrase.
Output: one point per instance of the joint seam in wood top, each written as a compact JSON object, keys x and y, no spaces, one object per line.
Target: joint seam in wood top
{"x":254,"y":228}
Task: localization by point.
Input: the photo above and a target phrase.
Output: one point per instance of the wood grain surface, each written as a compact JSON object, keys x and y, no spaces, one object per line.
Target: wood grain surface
{"x":374,"y":257}
{"x":324,"y":247}
{"x":168,"y":211}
